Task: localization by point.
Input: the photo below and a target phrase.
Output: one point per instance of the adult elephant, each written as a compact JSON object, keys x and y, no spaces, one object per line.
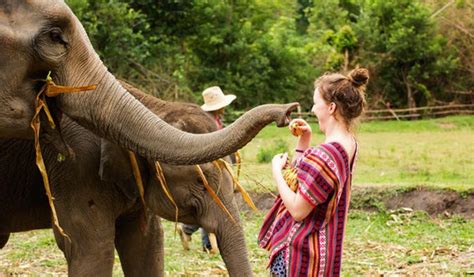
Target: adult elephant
{"x":41,"y":36}
{"x":98,"y":203}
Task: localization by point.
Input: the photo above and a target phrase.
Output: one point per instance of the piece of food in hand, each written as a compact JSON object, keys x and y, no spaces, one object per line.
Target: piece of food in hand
{"x":290,"y":176}
{"x":296,"y":129}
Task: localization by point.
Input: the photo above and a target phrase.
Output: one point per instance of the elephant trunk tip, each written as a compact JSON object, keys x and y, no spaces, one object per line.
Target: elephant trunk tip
{"x":285,"y":119}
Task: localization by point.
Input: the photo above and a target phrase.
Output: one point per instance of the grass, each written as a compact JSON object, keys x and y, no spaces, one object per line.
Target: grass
{"x":408,"y":243}
{"x":434,"y":153}
{"x":375,"y":243}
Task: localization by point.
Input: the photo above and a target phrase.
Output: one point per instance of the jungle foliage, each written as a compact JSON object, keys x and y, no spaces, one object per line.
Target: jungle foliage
{"x":264,"y":51}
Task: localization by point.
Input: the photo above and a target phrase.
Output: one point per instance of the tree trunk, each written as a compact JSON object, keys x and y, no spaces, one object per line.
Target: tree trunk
{"x":409,"y":91}
{"x":346,"y":60}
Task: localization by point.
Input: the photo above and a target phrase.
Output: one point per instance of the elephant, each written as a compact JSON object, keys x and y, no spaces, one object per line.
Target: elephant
{"x":98,"y":203}
{"x":40,"y":38}
{"x":189,"y":193}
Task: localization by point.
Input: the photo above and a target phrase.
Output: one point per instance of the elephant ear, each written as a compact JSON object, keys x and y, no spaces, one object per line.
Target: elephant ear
{"x":115,"y":167}
{"x":180,"y":124}
{"x":190,"y":118}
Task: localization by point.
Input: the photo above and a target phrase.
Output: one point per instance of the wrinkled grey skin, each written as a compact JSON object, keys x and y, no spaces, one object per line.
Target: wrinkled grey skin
{"x":195,"y":205}
{"x":38,"y":36}
{"x":98,"y":204}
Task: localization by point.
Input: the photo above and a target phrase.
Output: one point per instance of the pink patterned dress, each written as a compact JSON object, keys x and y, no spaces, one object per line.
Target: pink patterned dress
{"x":313,"y":246}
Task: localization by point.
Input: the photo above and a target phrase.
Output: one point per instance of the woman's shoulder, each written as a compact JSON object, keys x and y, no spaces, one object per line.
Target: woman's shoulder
{"x":333,"y":152}
{"x":323,"y":152}
{"x":324,"y":148}
{"x":345,"y":146}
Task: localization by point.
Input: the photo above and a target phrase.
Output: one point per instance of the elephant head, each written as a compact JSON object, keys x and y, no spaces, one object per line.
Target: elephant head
{"x":41,"y":36}
{"x":196,"y":206}
{"x":190,"y":199}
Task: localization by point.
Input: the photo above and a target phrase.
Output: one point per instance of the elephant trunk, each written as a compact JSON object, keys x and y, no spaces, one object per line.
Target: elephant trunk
{"x":232,"y":247}
{"x":111,"y":112}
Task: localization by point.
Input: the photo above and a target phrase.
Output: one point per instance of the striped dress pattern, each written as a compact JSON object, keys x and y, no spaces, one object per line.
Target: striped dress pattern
{"x":313,"y":246}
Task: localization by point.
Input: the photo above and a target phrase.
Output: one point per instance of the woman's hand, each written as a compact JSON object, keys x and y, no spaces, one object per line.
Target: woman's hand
{"x":279,"y":162}
{"x":299,"y":127}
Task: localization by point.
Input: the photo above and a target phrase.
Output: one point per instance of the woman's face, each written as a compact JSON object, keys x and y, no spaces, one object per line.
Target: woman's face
{"x":321,"y":109}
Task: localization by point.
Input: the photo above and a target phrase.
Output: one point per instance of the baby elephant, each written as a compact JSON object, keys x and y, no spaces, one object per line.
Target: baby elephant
{"x":191,"y":201}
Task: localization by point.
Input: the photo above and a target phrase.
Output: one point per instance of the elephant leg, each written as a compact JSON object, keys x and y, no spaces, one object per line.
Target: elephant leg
{"x":141,"y":251}
{"x":4,"y":239}
{"x":89,"y":247}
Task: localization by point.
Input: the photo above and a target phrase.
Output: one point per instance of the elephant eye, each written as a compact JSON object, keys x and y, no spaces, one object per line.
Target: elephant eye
{"x":200,"y":184}
{"x":56,"y":35}
{"x":51,"y":44}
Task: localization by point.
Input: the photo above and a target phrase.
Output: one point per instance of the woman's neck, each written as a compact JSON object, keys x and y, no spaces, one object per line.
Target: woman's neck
{"x":336,"y":132}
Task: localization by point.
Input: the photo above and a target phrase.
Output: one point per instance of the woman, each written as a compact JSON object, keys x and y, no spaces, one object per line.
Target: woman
{"x":304,"y":230}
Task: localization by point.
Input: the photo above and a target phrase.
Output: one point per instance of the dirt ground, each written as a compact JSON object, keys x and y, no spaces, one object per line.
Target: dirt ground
{"x":434,"y":202}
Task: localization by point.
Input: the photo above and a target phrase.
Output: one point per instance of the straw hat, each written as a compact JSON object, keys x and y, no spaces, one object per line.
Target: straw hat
{"x":214,"y":99}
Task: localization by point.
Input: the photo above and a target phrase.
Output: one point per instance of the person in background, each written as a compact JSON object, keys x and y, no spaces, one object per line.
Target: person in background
{"x":304,"y":229}
{"x":214,"y":103}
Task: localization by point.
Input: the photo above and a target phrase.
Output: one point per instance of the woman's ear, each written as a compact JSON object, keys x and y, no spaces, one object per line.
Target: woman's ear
{"x":332,"y":107}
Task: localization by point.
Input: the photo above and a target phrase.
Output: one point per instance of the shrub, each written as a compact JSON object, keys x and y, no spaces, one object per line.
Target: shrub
{"x":265,"y":154}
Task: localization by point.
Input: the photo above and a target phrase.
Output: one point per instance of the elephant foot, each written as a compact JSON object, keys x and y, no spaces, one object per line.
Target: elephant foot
{"x":4,"y":239}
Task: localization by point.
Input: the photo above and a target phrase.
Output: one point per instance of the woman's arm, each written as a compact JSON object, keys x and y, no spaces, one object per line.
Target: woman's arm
{"x":298,"y":207}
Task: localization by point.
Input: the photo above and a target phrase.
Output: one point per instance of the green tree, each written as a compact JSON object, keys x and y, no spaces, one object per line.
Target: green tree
{"x":455,"y":22}
{"x":406,"y":55}
{"x":270,"y":51}
{"x":332,"y":34}
{"x":116,"y":31}
{"x":327,"y":15}
{"x":249,"y":48}
{"x":302,"y":16}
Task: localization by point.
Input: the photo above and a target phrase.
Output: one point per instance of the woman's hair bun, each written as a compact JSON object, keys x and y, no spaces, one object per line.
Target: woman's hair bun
{"x":359,"y":76}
